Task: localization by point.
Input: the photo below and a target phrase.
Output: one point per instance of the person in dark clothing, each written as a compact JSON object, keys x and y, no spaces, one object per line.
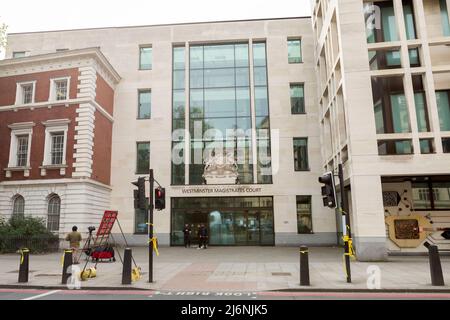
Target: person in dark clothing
{"x":202,"y":236}
{"x":187,"y":236}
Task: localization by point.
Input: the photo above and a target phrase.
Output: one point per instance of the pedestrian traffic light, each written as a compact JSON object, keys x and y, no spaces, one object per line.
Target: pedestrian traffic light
{"x":160,"y":198}
{"x":139,"y":194}
{"x":328,"y":190}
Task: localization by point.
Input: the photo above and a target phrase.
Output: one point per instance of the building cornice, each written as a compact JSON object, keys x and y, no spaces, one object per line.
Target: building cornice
{"x":163,"y":25}
{"x":61,"y":103}
{"x":54,"y":181}
{"x":93,"y":53}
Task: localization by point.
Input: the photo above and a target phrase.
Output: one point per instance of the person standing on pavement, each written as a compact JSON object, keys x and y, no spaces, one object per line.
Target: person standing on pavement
{"x":187,"y":236}
{"x":74,"y":239}
{"x":202,"y":237}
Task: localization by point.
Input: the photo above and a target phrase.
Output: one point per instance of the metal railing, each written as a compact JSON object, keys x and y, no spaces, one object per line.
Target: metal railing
{"x":35,"y":243}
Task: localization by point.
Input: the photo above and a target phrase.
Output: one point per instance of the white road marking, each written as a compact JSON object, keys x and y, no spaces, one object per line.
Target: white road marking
{"x":42,"y":295}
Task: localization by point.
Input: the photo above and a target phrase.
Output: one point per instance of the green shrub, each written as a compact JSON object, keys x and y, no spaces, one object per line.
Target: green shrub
{"x":26,"y":232}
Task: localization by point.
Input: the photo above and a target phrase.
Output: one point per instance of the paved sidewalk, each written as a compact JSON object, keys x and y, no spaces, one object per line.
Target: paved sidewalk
{"x":236,"y":269}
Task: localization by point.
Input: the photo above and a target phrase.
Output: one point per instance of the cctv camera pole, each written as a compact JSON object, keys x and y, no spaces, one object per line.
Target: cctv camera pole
{"x":150,"y":229}
{"x":347,"y":231}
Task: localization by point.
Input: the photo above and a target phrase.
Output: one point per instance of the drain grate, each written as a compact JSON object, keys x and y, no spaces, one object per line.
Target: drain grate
{"x":281,"y":274}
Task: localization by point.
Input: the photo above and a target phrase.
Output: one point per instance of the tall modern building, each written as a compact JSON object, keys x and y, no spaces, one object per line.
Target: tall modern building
{"x":238,"y":119}
{"x":383,"y":99}
{"x":224,"y":112}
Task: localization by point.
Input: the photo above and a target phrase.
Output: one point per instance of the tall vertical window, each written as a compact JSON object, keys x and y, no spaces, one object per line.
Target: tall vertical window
{"x":294,"y":51}
{"x":178,"y":117}
{"x":408,"y":12}
{"x":446,"y":145}
{"x":53,"y":212}
{"x":391,"y":110}
{"x":27,"y":93}
{"x":143,"y":157}
{"x":57,"y":148}
{"x":444,"y":18}
{"x":145,"y":58}
{"x":297,"y":99}
{"x":388,"y":31}
{"x":443,"y":103}
{"x":61,"y":89}
{"x":301,"y":154}
{"x":421,"y":104}
{"x":18,"y":206}
{"x":22,"y":151}
{"x":219,"y":108}
{"x":264,"y":160}
{"x":144,"y":104}
{"x":304,"y":215}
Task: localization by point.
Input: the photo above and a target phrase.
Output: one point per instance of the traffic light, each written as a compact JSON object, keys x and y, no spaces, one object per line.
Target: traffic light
{"x":328,"y":190}
{"x":446,"y":234}
{"x":139,"y":194}
{"x":160,"y":198}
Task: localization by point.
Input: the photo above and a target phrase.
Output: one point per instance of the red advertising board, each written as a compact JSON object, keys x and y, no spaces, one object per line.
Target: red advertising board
{"x":109,"y":217}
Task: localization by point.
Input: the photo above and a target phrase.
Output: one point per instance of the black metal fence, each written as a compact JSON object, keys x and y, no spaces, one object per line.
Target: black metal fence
{"x":35,"y":243}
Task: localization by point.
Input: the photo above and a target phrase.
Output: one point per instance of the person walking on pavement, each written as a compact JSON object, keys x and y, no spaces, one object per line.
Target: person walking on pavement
{"x":74,"y":239}
{"x":187,"y":236}
{"x":202,"y":237}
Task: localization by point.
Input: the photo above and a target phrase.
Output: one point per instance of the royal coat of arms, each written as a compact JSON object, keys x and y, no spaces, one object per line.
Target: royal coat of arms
{"x":220,"y":168}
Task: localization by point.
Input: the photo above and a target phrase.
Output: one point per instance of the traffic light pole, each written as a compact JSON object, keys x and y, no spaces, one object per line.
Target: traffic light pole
{"x":347,"y":231}
{"x":150,"y":229}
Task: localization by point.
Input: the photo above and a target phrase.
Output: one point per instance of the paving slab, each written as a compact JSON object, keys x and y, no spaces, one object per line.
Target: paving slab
{"x":235,"y":269}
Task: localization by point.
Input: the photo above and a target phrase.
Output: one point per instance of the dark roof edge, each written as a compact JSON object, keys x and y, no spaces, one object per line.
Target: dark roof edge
{"x":162,"y":25}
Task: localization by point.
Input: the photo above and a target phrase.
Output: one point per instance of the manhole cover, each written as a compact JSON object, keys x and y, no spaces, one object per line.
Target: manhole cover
{"x":281,"y":273}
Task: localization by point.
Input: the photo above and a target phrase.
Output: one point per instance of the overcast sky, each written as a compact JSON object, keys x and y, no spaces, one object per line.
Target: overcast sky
{"x":39,"y":15}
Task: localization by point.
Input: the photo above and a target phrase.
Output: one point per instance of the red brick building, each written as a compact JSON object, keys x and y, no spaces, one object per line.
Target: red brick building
{"x":56,"y":120}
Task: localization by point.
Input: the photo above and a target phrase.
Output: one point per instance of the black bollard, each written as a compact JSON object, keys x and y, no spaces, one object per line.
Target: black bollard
{"x":126,"y":272}
{"x":437,"y":279}
{"x":24,"y":265}
{"x":67,"y":262}
{"x":304,"y":266}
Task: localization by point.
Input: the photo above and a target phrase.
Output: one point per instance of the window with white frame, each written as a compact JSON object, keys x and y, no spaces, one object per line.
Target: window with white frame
{"x":55,"y":142}
{"x":25,"y":92}
{"x":53,"y":212}
{"x":59,"y":89}
{"x":18,"y":206}
{"x":22,"y":151}
{"x":20,"y":146}
{"x":57,"y":150}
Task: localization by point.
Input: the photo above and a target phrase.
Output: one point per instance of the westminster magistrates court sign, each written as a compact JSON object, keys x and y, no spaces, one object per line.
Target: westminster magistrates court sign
{"x":220,"y":190}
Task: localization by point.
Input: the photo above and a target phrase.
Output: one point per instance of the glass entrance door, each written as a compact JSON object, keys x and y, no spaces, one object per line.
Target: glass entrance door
{"x":240,"y":228}
{"x":253,"y":234}
{"x":244,"y":221}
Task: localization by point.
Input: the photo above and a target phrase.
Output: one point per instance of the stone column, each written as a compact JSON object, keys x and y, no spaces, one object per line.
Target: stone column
{"x":368,"y":227}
